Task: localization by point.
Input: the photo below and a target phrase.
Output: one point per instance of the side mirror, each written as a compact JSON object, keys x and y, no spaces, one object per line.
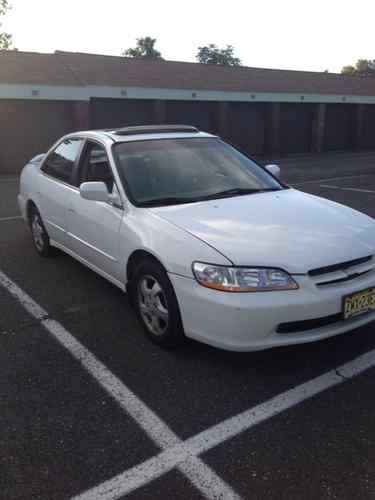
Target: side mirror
{"x":273,"y":169}
{"x":94,"y":191}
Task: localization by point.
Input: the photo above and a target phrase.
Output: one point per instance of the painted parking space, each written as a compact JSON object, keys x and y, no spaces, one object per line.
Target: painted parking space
{"x":60,"y":432}
{"x":219,"y":383}
{"x":191,"y":391}
{"x":355,"y":191}
{"x":322,"y":449}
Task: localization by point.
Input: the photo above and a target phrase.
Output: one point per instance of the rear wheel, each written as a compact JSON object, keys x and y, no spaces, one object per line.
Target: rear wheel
{"x":156,"y":304}
{"x":39,"y":234}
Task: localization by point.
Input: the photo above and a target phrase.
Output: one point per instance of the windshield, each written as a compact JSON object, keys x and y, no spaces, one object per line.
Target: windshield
{"x":172,"y":171}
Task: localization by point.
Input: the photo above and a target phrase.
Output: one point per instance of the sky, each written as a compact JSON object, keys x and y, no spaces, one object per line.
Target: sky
{"x":312,"y":35}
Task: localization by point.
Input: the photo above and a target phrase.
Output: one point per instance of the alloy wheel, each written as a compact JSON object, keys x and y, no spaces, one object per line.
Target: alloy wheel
{"x":153,"y":306}
{"x":38,"y":232}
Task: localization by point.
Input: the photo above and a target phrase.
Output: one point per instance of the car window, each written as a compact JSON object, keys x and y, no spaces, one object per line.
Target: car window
{"x":60,"y":163}
{"x":95,"y":165}
{"x":187,"y":170}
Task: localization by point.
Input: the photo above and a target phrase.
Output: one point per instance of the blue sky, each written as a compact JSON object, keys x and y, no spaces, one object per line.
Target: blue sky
{"x":310,"y":35}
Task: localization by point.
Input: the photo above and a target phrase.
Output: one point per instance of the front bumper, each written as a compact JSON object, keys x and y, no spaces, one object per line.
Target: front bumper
{"x":249,"y":321}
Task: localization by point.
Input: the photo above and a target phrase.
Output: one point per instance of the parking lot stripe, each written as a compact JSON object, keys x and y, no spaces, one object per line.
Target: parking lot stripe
{"x":132,"y":479}
{"x":177,"y":453}
{"x":233,"y":426}
{"x":347,"y":188}
{"x":329,"y":179}
{"x":206,"y":440}
{"x":5,"y":219}
{"x":201,"y":475}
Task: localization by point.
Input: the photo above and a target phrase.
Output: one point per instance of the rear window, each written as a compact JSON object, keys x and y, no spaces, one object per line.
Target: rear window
{"x":60,"y":163}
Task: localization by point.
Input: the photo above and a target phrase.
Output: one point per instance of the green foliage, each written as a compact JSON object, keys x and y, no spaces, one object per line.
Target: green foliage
{"x":363,"y":67}
{"x":5,"y":38}
{"x":6,"y":42}
{"x":211,"y":54}
{"x":145,"y":48}
{"x":4,"y":6}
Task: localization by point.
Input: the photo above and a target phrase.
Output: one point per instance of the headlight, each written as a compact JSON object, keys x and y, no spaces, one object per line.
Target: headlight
{"x":242,"y":279}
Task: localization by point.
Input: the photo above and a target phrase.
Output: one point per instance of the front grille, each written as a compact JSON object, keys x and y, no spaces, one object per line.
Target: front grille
{"x":341,"y":280}
{"x":339,"y":267}
{"x":344,"y":271}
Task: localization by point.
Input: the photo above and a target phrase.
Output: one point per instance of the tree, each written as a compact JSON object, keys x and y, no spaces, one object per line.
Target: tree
{"x":363,"y":67}
{"x":5,"y":38}
{"x":145,"y":48}
{"x":211,"y":54}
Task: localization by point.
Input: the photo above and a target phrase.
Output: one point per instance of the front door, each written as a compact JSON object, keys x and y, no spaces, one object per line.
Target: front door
{"x":94,"y":226}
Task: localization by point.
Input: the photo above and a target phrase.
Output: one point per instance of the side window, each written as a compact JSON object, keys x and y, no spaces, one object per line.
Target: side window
{"x":95,"y":165}
{"x":60,"y":163}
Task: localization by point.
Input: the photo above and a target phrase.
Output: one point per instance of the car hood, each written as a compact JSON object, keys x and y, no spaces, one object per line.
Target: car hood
{"x":288,"y":229}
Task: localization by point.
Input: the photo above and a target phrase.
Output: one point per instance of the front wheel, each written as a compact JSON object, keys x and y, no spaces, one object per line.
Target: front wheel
{"x":39,"y":234}
{"x":156,"y":305}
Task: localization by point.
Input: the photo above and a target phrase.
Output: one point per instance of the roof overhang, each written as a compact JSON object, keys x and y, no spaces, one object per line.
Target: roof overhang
{"x":85,"y":93}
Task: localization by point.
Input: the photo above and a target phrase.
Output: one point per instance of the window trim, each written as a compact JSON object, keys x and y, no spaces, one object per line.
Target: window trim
{"x":70,"y":184}
{"x":81,"y":165}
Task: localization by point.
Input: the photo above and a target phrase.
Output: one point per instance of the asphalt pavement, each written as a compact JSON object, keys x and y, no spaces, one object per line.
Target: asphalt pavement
{"x":90,"y":407}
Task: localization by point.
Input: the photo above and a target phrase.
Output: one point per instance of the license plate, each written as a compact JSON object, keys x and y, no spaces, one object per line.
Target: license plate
{"x":359,"y":303}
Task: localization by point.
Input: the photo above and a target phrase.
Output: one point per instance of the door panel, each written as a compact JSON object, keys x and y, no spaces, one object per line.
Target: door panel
{"x":93,"y":230}
{"x":53,"y":200}
{"x":56,"y":186}
{"x":94,"y":226}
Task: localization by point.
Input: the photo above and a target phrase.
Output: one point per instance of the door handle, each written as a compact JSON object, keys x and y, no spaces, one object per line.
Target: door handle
{"x":72,"y":211}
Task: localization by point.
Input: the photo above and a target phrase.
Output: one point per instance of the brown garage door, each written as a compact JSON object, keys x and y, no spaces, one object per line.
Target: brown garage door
{"x":367,"y":140}
{"x":30,"y":127}
{"x":296,"y":121}
{"x":339,"y":130}
{"x":200,"y":114}
{"x":107,"y":113}
{"x":245,"y":126}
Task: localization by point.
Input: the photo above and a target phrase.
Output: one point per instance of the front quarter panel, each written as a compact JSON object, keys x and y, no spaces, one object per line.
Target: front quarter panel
{"x":175,"y":248}
{"x":28,"y":186}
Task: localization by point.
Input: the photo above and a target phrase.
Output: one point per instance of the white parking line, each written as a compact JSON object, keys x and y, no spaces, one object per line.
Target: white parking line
{"x":4,"y":219}
{"x":347,"y":189}
{"x":202,"y":476}
{"x":177,"y":453}
{"x":317,"y":181}
{"x":133,"y":478}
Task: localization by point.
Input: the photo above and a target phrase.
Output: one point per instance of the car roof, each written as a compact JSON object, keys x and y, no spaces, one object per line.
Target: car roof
{"x":147,"y":132}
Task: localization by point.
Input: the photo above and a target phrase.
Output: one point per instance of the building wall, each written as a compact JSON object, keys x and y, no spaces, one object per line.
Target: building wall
{"x":340,"y":127}
{"x":296,"y":121}
{"x":29,"y":127}
{"x":107,"y":113}
{"x":245,"y":126}
{"x":367,"y":137}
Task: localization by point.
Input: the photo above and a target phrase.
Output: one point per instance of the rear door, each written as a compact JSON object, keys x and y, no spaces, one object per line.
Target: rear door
{"x":56,"y":186}
{"x":94,"y":226}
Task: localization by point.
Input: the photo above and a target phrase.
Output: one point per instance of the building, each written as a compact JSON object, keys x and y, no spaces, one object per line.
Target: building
{"x":262,"y":111}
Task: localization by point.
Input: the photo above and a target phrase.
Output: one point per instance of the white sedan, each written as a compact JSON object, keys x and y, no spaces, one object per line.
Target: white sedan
{"x":208,"y":244}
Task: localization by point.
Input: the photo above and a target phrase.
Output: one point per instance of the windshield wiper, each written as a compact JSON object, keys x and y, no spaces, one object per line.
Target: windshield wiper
{"x":170,"y":200}
{"x":176,"y":200}
{"x":237,"y":191}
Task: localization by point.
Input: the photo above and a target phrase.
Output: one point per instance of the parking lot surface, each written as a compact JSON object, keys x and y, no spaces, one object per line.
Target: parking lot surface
{"x":91,"y":409}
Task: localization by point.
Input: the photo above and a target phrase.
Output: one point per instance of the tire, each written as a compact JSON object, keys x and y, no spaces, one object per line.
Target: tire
{"x":156,"y":305}
{"x":39,"y":234}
